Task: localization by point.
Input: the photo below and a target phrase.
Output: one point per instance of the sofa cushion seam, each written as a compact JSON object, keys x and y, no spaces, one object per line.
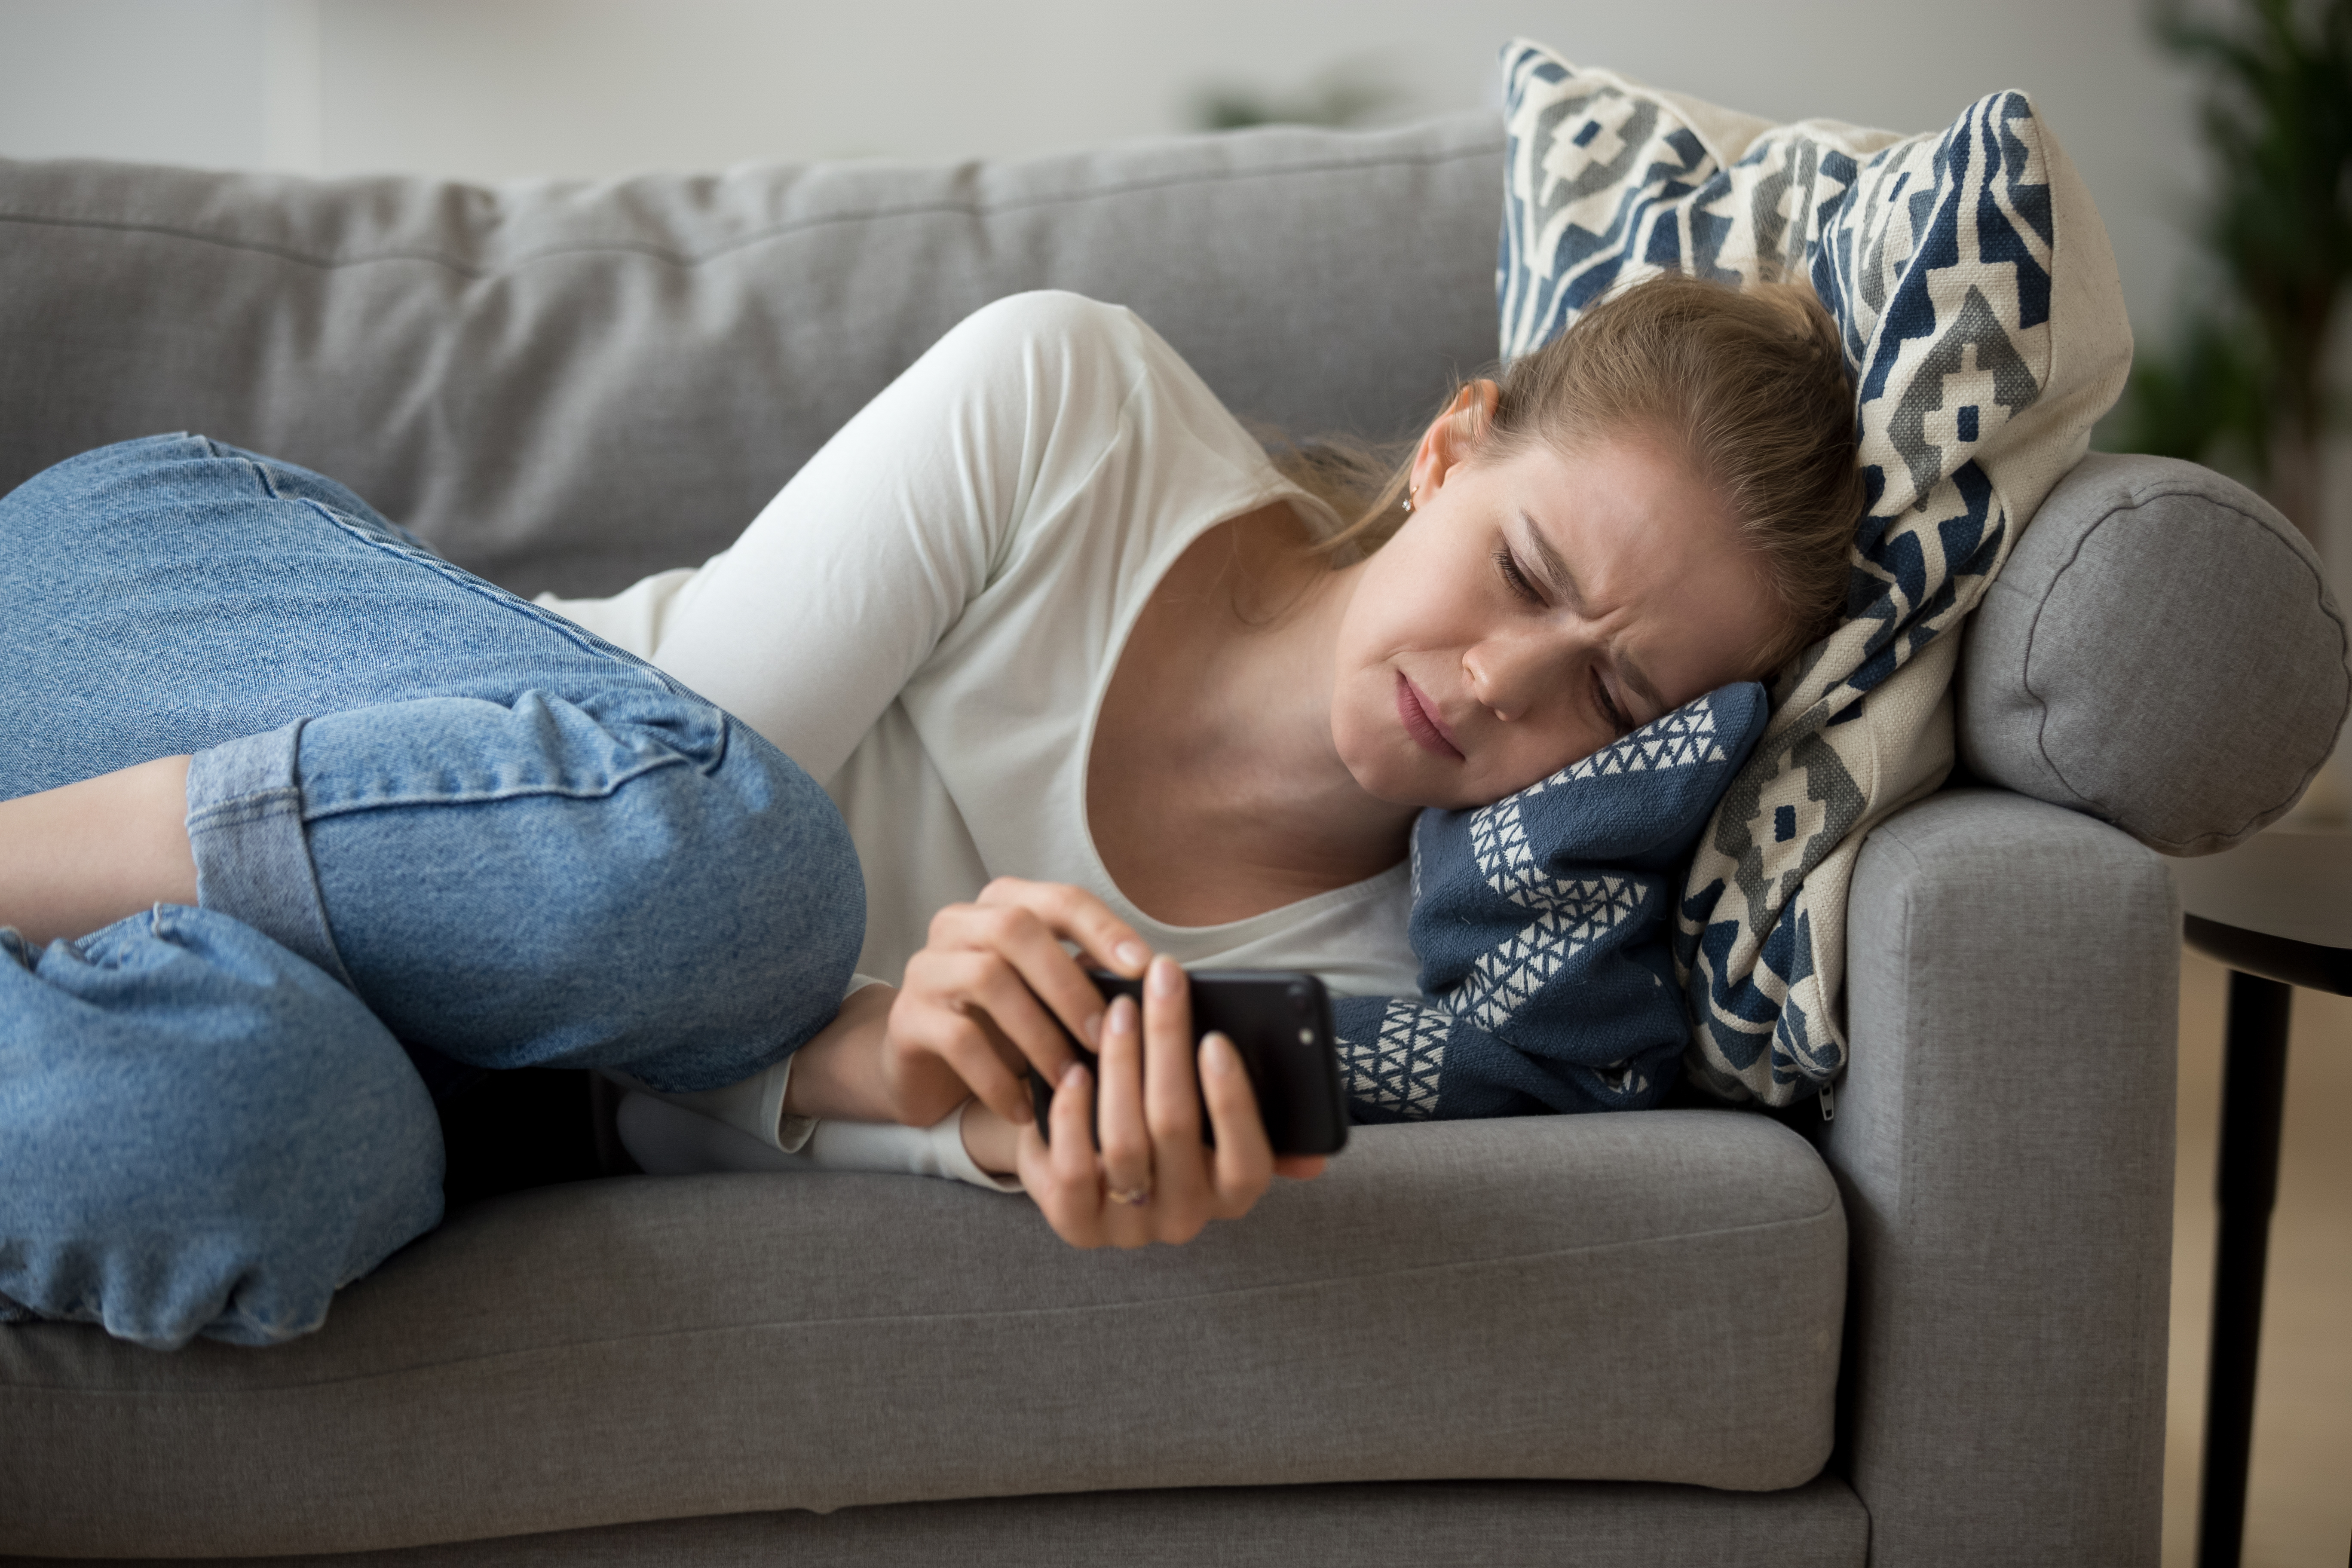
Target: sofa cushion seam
{"x":689,"y":258}
{"x":2138,"y":499}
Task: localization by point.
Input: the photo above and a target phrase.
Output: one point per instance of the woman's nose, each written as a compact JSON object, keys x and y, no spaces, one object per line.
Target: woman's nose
{"x":1505,"y":674}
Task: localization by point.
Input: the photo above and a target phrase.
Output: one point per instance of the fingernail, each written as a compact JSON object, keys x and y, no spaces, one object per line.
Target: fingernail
{"x":1092,"y":1029}
{"x":1121,"y":1017}
{"x":1217,"y":1052}
{"x":1075,"y":1073}
{"x":1133,"y":955}
{"x":1166,"y":977}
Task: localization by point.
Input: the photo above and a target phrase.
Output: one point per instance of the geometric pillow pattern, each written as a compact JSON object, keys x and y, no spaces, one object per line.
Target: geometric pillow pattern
{"x":1543,"y":924}
{"x":1971,"y":283}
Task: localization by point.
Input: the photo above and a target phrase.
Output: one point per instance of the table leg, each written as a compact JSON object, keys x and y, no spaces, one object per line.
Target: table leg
{"x":2253,"y":1098}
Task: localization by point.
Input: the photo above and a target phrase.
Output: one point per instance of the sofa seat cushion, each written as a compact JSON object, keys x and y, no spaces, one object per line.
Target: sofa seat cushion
{"x":1654,"y":1295}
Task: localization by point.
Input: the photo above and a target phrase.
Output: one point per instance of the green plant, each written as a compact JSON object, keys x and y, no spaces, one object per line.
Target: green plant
{"x":1346,"y":95}
{"x":2244,"y":382}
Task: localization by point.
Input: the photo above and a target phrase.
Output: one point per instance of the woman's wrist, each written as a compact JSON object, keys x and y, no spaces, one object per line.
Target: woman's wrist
{"x":838,"y":1073}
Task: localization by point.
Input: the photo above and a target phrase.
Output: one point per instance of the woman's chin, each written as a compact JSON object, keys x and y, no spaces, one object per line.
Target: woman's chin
{"x":1385,"y":781}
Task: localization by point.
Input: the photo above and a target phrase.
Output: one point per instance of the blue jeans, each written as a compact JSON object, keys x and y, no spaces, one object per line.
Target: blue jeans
{"x":429,"y":820}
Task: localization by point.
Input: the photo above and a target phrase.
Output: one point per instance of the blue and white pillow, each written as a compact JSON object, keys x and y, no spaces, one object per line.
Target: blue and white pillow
{"x":1972,"y":282}
{"x":1542,"y":925}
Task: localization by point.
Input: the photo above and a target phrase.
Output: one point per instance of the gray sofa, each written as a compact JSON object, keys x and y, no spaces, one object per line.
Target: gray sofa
{"x":1928,"y":1330}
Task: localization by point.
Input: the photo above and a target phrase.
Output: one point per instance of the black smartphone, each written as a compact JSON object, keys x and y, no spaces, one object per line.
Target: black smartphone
{"x":1280,"y":1020}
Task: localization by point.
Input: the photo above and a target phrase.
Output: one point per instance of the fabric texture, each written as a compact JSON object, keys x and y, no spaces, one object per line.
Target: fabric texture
{"x":523,"y":847}
{"x":2005,"y":1145}
{"x":2163,"y":652}
{"x":200,"y":1132}
{"x":986,"y":533}
{"x":1972,"y":282}
{"x":570,"y":384}
{"x":1542,"y":923}
{"x":1442,"y":1524}
{"x":669,"y":1139}
{"x":651,"y":1348}
{"x":425,"y":818}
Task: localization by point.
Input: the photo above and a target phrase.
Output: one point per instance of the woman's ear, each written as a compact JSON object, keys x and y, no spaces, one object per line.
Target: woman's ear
{"x":1453,"y":435}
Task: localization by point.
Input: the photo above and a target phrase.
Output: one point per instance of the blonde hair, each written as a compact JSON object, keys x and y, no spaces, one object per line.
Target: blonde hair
{"x":1749,"y":386}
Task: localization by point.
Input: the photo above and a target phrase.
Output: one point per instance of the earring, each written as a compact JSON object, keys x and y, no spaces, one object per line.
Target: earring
{"x":1408,"y":501}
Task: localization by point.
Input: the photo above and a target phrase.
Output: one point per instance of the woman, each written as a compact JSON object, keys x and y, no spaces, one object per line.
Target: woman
{"x":1042,"y":607}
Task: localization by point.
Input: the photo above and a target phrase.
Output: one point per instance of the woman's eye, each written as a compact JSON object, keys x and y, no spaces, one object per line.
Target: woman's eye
{"x":1509,"y":565}
{"x":1618,"y":723}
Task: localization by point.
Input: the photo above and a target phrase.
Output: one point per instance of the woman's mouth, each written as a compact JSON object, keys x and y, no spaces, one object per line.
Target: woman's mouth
{"x":1422,"y":722}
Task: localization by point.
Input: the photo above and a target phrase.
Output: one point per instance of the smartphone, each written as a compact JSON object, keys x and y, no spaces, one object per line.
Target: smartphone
{"x":1279,"y":1021}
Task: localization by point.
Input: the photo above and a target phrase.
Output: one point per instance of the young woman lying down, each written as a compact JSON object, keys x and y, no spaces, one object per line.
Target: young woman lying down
{"x":296,"y":815}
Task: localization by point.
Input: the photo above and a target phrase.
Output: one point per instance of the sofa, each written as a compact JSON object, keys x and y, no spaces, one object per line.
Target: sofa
{"x":1926,"y":1328}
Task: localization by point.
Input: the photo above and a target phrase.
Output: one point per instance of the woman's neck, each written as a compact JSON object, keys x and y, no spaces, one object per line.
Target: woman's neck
{"x":1215,"y":790}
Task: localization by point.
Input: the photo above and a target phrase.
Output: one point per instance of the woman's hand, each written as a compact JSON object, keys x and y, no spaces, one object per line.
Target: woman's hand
{"x":1154,"y":1180}
{"x":981,"y":999}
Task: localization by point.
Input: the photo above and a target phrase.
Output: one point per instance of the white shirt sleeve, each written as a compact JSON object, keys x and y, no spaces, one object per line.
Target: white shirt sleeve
{"x":753,"y":1106}
{"x":811,"y":625}
{"x":667,"y":1139}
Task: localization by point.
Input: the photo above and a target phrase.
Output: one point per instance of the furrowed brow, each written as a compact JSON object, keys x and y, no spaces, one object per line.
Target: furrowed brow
{"x":1554,"y":569}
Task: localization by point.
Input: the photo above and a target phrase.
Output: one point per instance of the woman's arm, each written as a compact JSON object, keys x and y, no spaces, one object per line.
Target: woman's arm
{"x":986,"y":1000}
{"x":82,"y":856}
{"x":836,"y":595}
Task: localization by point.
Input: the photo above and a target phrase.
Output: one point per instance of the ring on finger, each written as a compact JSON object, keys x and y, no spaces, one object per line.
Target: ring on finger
{"x":1133,"y":1198}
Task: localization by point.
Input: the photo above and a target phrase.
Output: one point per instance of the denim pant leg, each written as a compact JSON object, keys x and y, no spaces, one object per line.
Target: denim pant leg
{"x":628,"y":879}
{"x":199,"y":1133}
{"x":518,"y":845}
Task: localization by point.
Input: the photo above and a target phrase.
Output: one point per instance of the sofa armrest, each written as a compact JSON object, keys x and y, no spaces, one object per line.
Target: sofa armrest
{"x":2003,"y":1143}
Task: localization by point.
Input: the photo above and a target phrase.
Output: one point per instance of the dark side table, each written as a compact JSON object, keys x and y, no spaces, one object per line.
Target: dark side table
{"x":2278,"y":910}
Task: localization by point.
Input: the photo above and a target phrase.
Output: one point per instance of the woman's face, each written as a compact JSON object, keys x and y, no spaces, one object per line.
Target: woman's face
{"x":1531,"y":611}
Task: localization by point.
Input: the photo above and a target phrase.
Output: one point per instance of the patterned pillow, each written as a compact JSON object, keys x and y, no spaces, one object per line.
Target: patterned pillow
{"x":1542,"y":926}
{"x":1984,"y":327}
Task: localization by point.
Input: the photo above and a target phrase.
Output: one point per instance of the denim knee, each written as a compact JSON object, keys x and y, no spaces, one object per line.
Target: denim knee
{"x":199,"y":1133}
{"x":185,"y":466}
{"x":631,"y":880}
{"x":290,"y":481}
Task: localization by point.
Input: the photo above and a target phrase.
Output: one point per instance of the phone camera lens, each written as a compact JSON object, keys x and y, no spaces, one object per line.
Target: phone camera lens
{"x":1305,"y":1037}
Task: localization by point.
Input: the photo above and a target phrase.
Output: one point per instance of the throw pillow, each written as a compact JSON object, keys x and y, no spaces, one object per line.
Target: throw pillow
{"x":1984,"y":328}
{"x":1542,"y":923}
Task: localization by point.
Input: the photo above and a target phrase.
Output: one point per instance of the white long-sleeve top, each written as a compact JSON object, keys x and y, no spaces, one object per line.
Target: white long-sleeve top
{"x":928,"y":616}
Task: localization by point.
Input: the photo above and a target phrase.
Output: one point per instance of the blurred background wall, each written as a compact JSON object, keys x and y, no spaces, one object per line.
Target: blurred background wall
{"x":492,"y":90}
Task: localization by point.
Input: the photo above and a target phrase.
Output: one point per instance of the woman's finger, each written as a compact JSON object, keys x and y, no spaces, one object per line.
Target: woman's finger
{"x":921,"y":1024}
{"x":1066,"y":1178}
{"x":1032,"y":956}
{"x":1010,"y":1001}
{"x":1077,"y":916}
{"x":982,"y":984}
{"x":1172,"y":1104}
{"x":1243,"y":1164}
{"x":1126,"y":1152}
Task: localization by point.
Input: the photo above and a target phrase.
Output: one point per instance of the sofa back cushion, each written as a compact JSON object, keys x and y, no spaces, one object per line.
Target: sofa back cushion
{"x":568,"y":385}
{"x":2161,"y":651}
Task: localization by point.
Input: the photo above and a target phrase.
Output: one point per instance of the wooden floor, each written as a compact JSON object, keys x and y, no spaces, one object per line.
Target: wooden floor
{"x":2299,"y":1507}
